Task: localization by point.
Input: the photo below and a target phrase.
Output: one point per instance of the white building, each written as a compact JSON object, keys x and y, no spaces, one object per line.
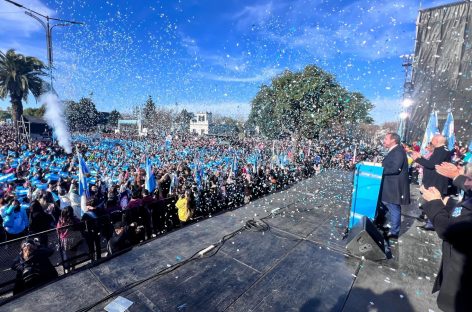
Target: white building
{"x":133,"y":126}
{"x":201,"y":123}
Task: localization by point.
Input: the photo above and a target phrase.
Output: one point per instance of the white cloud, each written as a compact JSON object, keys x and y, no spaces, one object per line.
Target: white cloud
{"x":253,"y":15}
{"x":266,"y":74}
{"x":238,"y":110}
{"x":15,"y":23}
{"x":26,"y":48}
{"x":190,"y":44}
{"x":367,"y":29}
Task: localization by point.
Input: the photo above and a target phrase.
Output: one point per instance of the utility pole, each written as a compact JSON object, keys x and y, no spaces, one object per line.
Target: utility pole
{"x":48,"y":28}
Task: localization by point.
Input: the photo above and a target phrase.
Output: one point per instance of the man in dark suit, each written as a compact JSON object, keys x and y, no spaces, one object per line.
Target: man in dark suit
{"x":395,"y":185}
{"x":430,"y":177}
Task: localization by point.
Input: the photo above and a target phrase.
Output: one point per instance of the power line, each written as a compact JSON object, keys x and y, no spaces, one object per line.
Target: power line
{"x":42,"y":15}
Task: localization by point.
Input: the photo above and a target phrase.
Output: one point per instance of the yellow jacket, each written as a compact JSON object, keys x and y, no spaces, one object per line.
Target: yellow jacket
{"x":183,"y":211}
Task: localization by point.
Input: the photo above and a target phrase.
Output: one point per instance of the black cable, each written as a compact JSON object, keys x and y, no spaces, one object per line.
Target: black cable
{"x":251,"y":225}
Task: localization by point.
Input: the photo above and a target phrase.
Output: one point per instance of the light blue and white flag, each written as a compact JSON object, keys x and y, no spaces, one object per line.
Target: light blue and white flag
{"x":83,"y":184}
{"x":431,"y":130}
{"x":150,"y":182}
{"x":401,"y":129}
{"x":168,"y":142}
{"x":235,"y":165}
{"x":448,"y":131}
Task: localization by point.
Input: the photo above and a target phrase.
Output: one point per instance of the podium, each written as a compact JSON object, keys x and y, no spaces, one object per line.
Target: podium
{"x":366,"y":192}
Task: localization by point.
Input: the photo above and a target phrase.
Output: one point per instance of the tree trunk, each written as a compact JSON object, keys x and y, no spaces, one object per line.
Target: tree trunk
{"x":16,"y":109}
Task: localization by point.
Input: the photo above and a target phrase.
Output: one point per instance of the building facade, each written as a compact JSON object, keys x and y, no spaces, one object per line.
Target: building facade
{"x":442,"y":69}
{"x":201,"y":124}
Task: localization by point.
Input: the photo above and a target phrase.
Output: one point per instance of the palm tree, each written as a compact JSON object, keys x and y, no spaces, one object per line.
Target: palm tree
{"x":20,"y":75}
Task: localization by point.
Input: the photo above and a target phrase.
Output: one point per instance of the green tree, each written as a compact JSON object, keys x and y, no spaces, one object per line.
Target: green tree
{"x":149,"y":113}
{"x":114,"y":117}
{"x":35,"y":112}
{"x":20,"y":75}
{"x":4,"y":115}
{"x":182,"y":120}
{"x":303,"y":104}
{"x":229,"y":121}
{"x":162,"y":121}
{"x":82,"y":115}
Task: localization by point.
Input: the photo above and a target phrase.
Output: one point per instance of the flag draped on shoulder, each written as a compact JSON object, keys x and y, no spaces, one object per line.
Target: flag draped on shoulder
{"x":150,"y":183}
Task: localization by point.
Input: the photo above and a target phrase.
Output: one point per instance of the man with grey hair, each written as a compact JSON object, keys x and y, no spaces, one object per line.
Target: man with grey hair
{"x":430,"y":177}
{"x":395,"y":186}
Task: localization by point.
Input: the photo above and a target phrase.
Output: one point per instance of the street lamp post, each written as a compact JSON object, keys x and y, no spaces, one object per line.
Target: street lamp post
{"x":48,"y":28}
{"x":407,"y":101}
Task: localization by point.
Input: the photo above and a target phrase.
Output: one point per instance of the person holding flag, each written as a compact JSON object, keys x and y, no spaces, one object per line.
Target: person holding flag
{"x":84,"y":191}
{"x":150,"y":182}
{"x":235,"y":165}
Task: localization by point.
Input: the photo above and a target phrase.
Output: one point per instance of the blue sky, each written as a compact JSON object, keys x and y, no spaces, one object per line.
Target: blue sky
{"x":214,"y":55}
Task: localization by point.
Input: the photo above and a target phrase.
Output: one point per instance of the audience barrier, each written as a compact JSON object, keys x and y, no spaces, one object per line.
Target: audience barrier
{"x":148,"y":222}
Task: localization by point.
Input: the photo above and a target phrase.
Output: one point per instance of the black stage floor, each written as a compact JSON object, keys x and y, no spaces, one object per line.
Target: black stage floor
{"x":300,"y":264}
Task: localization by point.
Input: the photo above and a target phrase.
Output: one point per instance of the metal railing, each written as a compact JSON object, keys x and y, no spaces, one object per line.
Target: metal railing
{"x":152,"y":220}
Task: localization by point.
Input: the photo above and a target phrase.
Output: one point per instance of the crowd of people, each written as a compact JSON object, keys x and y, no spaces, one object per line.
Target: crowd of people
{"x":137,"y":188}
{"x":193,"y":177}
{"x":446,"y":188}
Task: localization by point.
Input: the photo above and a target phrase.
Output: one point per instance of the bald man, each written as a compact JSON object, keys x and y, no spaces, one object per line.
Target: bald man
{"x":430,"y":177}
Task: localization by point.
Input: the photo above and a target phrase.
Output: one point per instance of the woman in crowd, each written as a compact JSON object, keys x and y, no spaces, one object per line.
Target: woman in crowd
{"x":40,"y":221}
{"x":33,"y":267}
{"x":69,"y":230}
{"x":15,"y":220}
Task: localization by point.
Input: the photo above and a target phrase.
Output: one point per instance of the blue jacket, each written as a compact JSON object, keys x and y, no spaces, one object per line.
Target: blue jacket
{"x":15,"y":222}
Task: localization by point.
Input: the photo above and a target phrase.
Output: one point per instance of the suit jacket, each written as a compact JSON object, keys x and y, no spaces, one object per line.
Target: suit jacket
{"x":396,"y":183}
{"x":453,"y":224}
{"x":430,"y":176}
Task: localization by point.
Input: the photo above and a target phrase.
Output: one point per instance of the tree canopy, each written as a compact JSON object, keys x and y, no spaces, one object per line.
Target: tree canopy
{"x":303,"y":104}
{"x":149,"y":113}
{"x":20,"y":75}
{"x":82,"y":115}
{"x":35,"y":112}
{"x":114,"y":117}
{"x":182,"y":121}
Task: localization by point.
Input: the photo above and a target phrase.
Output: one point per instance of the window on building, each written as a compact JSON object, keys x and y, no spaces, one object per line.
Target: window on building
{"x":202,"y":131}
{"x":201,"y":118}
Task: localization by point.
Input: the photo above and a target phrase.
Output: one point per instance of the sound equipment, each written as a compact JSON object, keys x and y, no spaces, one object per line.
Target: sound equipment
{"x":365,"y":240}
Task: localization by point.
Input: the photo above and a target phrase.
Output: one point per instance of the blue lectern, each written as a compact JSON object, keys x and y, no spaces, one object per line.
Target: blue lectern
{"x":365,"y":195}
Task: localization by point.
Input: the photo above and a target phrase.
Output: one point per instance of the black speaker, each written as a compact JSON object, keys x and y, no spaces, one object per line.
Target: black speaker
{"x":365,"y":240}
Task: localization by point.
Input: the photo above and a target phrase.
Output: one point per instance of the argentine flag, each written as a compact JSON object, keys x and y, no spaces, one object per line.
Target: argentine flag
{"x":235,"y":165}
{"x":83,"y":184}
{"x":448,"y":131}
{"x":150,"y":183}
{"x":431,"y":130}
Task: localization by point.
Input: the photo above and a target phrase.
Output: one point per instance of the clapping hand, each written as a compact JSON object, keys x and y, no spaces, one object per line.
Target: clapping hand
{"x":415,"y":155}
{"x":449,"y":170}
{"x":430,"y":193}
